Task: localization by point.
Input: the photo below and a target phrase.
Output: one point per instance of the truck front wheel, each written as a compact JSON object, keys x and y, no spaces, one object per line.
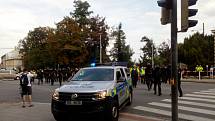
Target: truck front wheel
{"x":112,"y":113}
{"x":59,"y":118}
{"x":130,"y":98}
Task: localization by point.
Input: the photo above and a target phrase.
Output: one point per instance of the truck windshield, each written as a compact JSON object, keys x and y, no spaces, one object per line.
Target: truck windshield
{"x":94,"y":74}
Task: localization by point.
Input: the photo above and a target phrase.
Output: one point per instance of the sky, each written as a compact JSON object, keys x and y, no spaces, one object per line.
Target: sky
{"x":138,"y":17}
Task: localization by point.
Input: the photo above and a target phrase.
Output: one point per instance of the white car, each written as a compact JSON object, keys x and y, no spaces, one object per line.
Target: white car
{"x":18,"y":75}
{"x":92,"y":90}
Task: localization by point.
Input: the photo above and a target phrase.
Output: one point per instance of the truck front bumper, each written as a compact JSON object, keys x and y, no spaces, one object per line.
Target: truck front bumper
{"x":87,"y":107}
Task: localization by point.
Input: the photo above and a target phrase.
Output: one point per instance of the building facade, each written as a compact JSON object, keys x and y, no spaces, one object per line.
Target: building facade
{"x":12,"y":60}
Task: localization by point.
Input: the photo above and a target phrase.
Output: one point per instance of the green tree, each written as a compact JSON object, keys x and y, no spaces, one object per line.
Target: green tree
{"x":98,"y":30}
{"x":81,"y":13}
{"x":147,"y":51}
{"x":196,"y":50}
{"x":70,"y":48}
{"x":34,"y":48}
{"x":74,"y":42}
{"x":164,"y":54}
{"x":92,"y":27}
{"x":120,"y":51}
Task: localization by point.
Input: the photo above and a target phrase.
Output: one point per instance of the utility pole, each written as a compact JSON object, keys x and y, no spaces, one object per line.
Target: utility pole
{"x":174,"y":51}
{"x":169,"y":15}
{"x":203,"y":27}
{"x":100,"y":45}
{"x":152,"y":55}
{"x":213,"y":31}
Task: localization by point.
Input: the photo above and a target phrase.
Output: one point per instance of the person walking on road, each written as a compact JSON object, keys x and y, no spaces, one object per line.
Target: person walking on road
{"x":157,"y":81}
{"x":179,"y":83}
{"x":60,"y":78}
{"x":148,"y":77}
{"x":164,"y":75}
{"x":40,"y":77}
{"x":168,"y":71}
{"x":142,"y":74}
{"x":134,"y":76}
{"x":25,"y":82}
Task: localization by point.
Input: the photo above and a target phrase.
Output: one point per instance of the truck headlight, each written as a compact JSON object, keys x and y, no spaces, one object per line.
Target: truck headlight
{"x":55,"y":96}
{"x":102,"y":94}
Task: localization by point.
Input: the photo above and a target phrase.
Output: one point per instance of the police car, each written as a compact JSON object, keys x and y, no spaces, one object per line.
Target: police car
{"x":103,"y":89}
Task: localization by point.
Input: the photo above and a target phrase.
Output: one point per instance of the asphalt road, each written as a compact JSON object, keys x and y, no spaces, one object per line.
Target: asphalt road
{"x":145,"y":103}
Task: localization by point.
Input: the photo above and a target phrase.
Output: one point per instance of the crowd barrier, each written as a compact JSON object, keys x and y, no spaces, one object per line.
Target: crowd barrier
{"x":195,"y":74}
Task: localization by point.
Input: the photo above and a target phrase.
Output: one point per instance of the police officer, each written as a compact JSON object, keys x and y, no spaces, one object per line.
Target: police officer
{"x":157,"y":81}
{"x":168,"y":71}
{"x":142,"y":74}
{"x":134,"y":76}
{"x":163,"y":74}
{"x":40,"y":77}
{"x":148,"y":76}
{"x":179,"y":83}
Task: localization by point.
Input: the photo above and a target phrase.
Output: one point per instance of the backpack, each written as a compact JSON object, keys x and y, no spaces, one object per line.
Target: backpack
{"x":24,"y":79}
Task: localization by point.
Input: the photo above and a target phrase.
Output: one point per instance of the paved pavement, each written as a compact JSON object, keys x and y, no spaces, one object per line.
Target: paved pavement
{"x":11,"y":110}
{"x":193,"y":106}
{"x":183,"y":80}
{"x":199,"y":81}
{"x":42,"y":112}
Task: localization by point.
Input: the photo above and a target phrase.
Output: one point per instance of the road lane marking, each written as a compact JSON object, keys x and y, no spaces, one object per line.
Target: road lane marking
{"x":197,"y":110}
{"x":204,"y":93}
{"x":137,"y":117}
{"x":192,"y":103}
{"x":168,"y":113}
{"x":204,"y":96}
{"x":197,"y":99}
{"x":209,"y":91}
{"x":41,"y":103}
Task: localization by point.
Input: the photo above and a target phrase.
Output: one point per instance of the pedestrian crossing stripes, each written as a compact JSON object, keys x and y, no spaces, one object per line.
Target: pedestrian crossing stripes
{"x":192,"y":103}
{"x":204,"y":93}
{"x":199,"y":106}
{"x":199,"y":99}
{"x":204,"y":96}
{"x":209,"y":91}
{"x":197,"y":110}
{"x":168,"y":113}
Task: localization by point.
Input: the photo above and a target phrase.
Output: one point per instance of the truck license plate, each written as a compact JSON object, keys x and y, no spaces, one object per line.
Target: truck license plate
{"x":73,"y":102}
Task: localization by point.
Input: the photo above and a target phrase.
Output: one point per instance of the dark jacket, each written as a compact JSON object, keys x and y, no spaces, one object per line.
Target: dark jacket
{"x":157,"y":74}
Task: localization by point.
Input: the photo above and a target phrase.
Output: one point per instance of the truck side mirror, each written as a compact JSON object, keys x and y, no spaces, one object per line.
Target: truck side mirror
{"x":121,"y":79}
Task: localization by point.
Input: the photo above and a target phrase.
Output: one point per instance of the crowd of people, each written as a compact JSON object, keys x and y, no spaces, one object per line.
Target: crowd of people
{"x":154,"y":76}
{"x":50,"y":76}
{"x":43,"y":76}
{"x":145,"y":75}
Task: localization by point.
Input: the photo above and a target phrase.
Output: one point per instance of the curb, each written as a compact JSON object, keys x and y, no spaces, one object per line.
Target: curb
{"x":135,"y":117}
{"x":7,"y":80}
{"x":199,"y":81}
{"x":16,"y":106}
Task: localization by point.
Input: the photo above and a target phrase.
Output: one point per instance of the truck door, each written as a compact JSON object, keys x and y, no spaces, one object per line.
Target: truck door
{"x":121,"y":86}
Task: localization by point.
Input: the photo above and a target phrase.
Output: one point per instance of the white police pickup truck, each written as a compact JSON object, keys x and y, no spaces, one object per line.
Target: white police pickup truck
{"x":103,"y":89}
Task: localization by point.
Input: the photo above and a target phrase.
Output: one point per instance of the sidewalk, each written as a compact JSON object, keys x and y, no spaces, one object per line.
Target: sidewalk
{"x":42,"y":112}
{"x":199,"y":81}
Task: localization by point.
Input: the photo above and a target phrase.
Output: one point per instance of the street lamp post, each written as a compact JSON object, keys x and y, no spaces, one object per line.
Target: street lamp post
{"x":203,"y":29}
{"x":213,"y":31}
{"x":100,"y":45}
{"x":152,"y":55}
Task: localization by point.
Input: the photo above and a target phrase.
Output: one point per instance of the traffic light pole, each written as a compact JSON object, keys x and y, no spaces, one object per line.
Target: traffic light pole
{"x":174,"y":51}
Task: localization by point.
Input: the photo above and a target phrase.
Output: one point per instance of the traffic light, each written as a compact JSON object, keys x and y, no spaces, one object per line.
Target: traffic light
{"x":186,"y":13}
{"x":165,"y":11}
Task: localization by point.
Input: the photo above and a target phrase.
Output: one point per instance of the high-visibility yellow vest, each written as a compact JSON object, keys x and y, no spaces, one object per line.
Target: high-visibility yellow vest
{"x":142,"y":72}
